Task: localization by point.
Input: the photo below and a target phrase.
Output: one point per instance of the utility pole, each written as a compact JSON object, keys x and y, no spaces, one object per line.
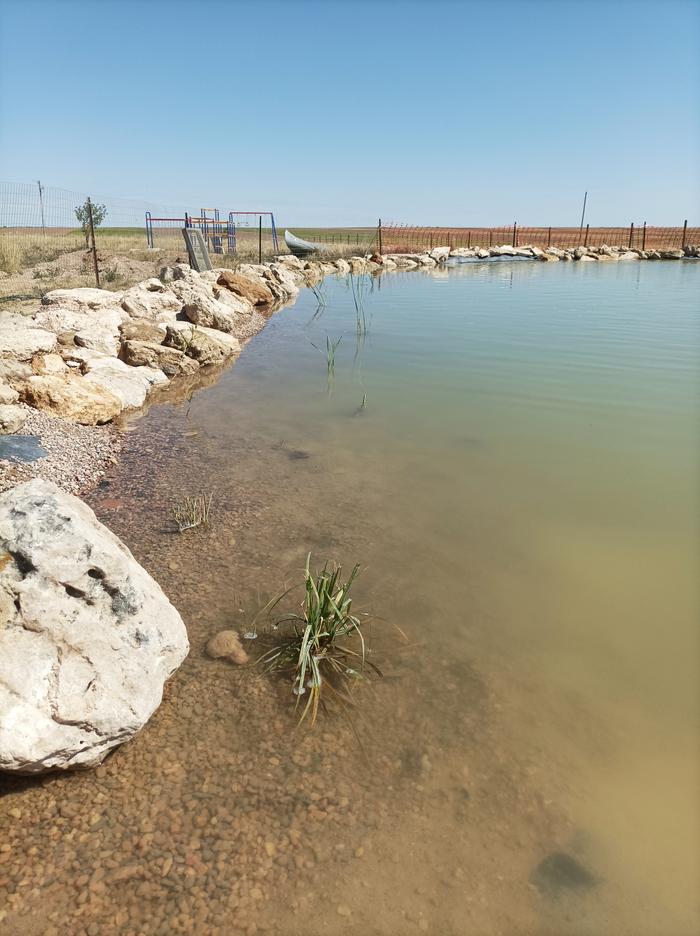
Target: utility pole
{"x":41,"y":205}
{"x":583,"y":215}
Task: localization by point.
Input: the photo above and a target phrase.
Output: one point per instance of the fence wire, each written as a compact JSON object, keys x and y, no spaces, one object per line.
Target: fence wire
{"x":405,"y":238}
{"x":39,"y":223}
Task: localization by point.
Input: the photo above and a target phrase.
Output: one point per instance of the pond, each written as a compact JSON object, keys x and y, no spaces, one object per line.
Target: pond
{"x":510,"y":450}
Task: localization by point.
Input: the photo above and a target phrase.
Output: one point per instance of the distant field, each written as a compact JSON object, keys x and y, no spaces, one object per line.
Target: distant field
{"x":23,"y":247}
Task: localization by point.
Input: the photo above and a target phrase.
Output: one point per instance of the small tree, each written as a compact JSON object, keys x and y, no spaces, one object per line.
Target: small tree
{"x":82,"y":213}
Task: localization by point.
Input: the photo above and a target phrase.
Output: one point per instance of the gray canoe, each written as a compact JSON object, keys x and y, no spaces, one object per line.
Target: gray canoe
{"x":299,"y":247}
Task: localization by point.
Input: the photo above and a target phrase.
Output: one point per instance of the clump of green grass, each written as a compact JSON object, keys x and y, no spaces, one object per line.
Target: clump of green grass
{"x":317,"y":652}
{"x":192,"y":512}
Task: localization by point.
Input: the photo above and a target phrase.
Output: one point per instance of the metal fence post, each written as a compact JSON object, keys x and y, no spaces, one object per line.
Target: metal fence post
{"x":41,"y":206}
{"x":379,"y":236}
{"x":644,"y":235}
{"x":585,"y":241}
{"x":685,"y":233}
{"x":94,"y":246}
{"x":259,"y":238}
{"x":515,"y":233}
{"x":549,"y":237}
{"x":631,"y":234}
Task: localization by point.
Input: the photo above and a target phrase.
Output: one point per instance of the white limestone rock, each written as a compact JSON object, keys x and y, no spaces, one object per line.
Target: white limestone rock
{"x":21,"y":340}
{"x":287,"y":279}
{"x":98,"y":339}
{"x":12,"y":418}
{"x":8,"y":394}
{"x":84,"y":299}
{"x":205,"y":345}
{"x":131,"y":385}
{"x":88,"y":637}
{"x":151,"y":300}
{"x":71,"y":396}
{"x":440,"y":254}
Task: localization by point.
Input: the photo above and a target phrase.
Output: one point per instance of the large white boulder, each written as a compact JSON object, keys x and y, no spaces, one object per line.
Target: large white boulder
{"x":83,"y":299}
{"x":98,"y":339}
{"x":131,"y":385}
{"x":151,"y":300}
{"x":71,"y":396}
{"x":440,"y":254}
{"x":87,"y":639}
{"x":21,"y":341}
{"x":286,"y":278}
{"x":204,"y":345}
{"x":58,"y":320}
{"x":197,"y":302}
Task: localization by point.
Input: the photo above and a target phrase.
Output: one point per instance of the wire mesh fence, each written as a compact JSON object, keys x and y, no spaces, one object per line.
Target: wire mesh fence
{"x":405,"y":238}
{"x":40,"y":223}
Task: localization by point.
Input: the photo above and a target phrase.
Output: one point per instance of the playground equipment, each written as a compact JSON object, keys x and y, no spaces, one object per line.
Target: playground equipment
{"x":252,"y":222}
{"x":241,"y":229}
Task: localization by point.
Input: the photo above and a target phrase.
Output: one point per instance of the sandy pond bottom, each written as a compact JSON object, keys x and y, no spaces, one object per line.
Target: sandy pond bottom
{"x":520,"y":489}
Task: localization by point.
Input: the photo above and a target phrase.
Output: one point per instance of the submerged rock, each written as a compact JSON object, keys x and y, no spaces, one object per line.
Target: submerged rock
{"x":227,"y":645}
{"x":559,"y":873}
{"x":88,"y":637}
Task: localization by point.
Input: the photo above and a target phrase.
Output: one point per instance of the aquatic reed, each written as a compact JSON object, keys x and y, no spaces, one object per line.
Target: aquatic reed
{"x":192,"y":512}
{"x":316,"y":651}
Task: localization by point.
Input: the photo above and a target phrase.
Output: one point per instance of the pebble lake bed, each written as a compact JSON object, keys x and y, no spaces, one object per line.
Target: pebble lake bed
{"x":490,"y":447}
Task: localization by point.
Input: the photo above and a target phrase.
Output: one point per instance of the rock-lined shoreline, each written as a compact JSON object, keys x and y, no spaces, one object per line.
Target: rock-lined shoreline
{"x":89,"y":356}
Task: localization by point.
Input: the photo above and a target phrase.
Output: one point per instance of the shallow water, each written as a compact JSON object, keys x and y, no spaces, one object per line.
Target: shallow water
{"x":520,"y":486}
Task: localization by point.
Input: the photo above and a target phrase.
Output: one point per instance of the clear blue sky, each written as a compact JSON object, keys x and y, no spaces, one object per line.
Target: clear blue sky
{"x":342,"y":111}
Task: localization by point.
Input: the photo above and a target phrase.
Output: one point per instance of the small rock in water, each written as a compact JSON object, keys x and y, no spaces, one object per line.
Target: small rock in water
{"x":227,"y":644}
{"x":560,"y":872}
{"x":298,"y":454}
{"x":343,"y":910}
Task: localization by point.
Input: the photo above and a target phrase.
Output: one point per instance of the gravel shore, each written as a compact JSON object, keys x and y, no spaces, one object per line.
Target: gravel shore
{"x":77,"y":455}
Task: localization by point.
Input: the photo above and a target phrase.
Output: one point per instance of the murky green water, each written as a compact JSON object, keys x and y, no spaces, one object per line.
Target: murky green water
{"x":520,"y":487}
{"x":524,"y":474}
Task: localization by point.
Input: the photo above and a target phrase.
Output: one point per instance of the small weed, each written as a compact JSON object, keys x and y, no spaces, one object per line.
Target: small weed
{"x":192,"y":512}
{"x":110,"y":275}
